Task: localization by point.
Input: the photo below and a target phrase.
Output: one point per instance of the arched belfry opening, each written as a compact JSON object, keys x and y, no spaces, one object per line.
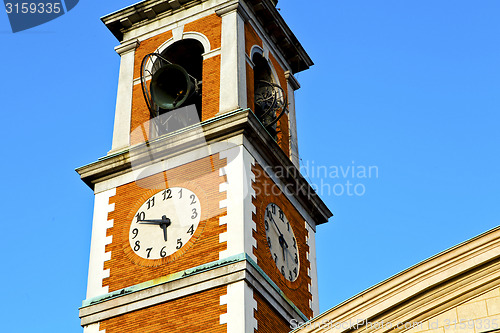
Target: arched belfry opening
{"x":269,"y":98}
{"x":174,"y":90}
{"x":262,"y":71}
{"x":186,"y":53}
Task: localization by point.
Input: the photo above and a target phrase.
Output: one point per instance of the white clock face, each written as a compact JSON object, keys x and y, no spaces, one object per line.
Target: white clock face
{"x":164,"y":223}
{"x":281,"y":242}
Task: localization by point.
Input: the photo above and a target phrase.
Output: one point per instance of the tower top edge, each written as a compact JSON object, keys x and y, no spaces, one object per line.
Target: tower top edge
{"x":264,"y":11}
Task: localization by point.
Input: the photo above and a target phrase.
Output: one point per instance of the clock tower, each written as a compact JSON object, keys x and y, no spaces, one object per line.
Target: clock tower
{"x":202,"y":220}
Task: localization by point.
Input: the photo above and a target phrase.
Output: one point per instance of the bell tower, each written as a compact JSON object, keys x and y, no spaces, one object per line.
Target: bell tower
{"x":202,"y":220}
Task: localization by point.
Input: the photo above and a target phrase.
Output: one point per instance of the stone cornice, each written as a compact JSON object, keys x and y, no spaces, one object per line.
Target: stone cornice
{"x":214,"y":130}
{"x":292,"y":80}
{"x":127,"y":47}
{"x":232,"y":8}
{"x":281,"y":34}
{"x":181,"y":284}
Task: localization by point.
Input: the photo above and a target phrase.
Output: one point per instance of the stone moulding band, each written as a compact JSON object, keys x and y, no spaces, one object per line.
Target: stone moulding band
{"x":162,"y":280}
{"x":214,"y":274}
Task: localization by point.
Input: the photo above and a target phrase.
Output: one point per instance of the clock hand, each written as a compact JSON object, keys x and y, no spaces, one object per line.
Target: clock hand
{"x":282,"y":241}
{"x":277,"y":228}
{"x":283,"y":244}
{"x":282,"y":247}
{"x":163,"y":223}
{"x":281,"y":238}
{"x":159,"y":222}
{"x":164,"y":227}
{"x":151,"y":221}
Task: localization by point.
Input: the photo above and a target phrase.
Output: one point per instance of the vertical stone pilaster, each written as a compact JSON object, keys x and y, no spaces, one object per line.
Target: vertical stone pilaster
{"x":233,"y":93}
{"x":292,"y":85}
{"x":313,"y":270}
{"x":98,"y":254}
{"x":241,"y":306}
{"x":123,"y":113}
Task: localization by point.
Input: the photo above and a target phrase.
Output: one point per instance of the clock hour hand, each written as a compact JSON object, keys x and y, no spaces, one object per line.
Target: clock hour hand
{"x":163,"y":223}
{"x":164,"y":227}
{"x":282,"y":238}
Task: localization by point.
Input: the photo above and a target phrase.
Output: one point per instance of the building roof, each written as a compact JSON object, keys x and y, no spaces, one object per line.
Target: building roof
{"x":421,"y":292}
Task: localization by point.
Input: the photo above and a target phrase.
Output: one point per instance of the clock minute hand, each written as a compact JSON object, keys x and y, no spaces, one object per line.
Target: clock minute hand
{"x":277,"y":228}
{"x":150,"y":222}
{"x":281,"y":238}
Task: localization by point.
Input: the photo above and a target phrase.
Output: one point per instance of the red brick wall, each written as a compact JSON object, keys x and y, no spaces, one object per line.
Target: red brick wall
{"x":251,"y":38}
{"x":140,"y":117}
{"x":284,"y":134}
{"x":126,"y":268}
{"x":195,"y":313}
{"x":250,"y":88}
{"x":268,"y":320}
{"x":211,"y":87}
{"x":266,"y":192}
{"x":210,"y":26}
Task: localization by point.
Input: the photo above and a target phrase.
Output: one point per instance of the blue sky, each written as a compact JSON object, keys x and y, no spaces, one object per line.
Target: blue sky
{"x":409,"y":87}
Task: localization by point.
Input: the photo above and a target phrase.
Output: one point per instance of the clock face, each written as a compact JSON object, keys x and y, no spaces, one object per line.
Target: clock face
{"x":281,"y":242}
{"x":164,"y":223}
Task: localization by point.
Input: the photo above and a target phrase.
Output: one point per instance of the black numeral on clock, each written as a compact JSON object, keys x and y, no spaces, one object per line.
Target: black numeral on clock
{"x":195,"y":214}
{"x":180,"y":193}
{"x":275,"y":258}
{"x":191,"y":230}
{"x":269,"y":241}
{"x":148,"y":250}
{"x":179,"y":243}
{"x":135,"y":232}
{"x":282,"y":216}
{"x":137,"y":246}
{"x":140,"y":216}
{"x":193,"y":199}
{"x":163,"y":254}
{"x":167,"y":194}
{"x":151,"y":202}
